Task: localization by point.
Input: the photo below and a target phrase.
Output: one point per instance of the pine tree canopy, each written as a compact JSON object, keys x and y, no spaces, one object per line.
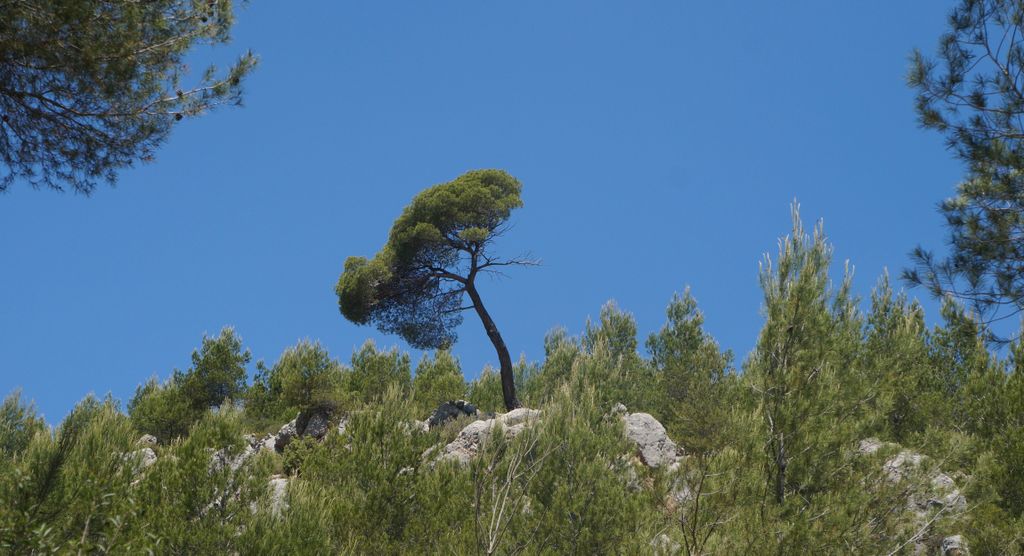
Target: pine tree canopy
{"x":436,"y":249}
{"x":88,"y":87}
{"x":974,"y":95}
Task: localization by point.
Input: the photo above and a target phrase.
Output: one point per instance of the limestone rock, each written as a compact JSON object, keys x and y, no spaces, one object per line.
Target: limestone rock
{"x":655,"y":447}
{"x":449,"y":411}
{"x":278,"y":492}
{"x":663,"y":545}
{"x":268,"y":442}
{"x":284,"y":436}
{"x":899,"y":465}
{"x":871,"y":445}
{"x":223,"y":458}
{"x":146,"y":457}
{"x":316,"y":426}
{"x":954,"y":546}
{"x":474,"y":435}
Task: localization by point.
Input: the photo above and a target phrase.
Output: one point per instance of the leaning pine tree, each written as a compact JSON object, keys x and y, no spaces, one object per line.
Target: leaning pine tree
{"x":437,"y":249}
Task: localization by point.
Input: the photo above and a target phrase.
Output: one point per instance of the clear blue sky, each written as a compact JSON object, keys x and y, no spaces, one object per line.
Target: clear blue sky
{"x":659,"y":144}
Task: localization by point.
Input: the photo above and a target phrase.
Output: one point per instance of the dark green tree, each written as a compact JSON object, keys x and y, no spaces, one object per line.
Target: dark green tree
{"x":217,"y":373}
{"x":88,"y":87}
{"x":438,"y":379}
{"x":974,"y":95}
{"x":305,"y":378}
{"x":693,"y":372}
{"x":437,"y":249}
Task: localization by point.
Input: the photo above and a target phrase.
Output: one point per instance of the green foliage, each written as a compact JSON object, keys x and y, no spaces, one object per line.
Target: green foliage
{"x":162,"y":410}
{"x":803,"y":367}
{"x":304,"y":378}
{"x":218,"y":374}
{"x":485,"y":391}
{"x":896,"y":357}
{"x":374,"y":372}
{"x":973,"y":95}
{"x":774,"y":462}
{"x":89,"y":87}
{"x":436,"y":250}
{"x":18,"y":424}
{"x":69,"y":491}
{"x":414,"y":286}
{"x":438,"y":379}
{"x":574,"y":482}
{"x":218,"y":371}
{"x":694,"y":376}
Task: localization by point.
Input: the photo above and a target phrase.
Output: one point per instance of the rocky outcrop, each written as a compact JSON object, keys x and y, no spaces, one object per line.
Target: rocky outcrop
{"x":476,"y":434}
{"x":316,"y":426}
{"x":936,"y":491}
{"x":449,"y":411}
{"x":939,"y":490}
{"x":654,"y":446}
{"x":285,"y":435}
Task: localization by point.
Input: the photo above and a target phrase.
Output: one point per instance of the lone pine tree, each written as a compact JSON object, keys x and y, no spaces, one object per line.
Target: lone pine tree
{"x":435,"y":252}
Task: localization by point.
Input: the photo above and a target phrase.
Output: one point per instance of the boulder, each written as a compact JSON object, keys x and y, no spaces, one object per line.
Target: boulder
{"x":284,"y":436}
{"x":899,"y":465}
{"x":954,"y":546}
{"x":449,"y":411}
{"x":474,"y":435}
{"x":146,"y":457}
{"x":655,"y":448}
{"x":937,"y":493}
{"x":316,"y":426}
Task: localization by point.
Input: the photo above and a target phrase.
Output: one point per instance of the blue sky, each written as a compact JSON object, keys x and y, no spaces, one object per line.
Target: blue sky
{"x":659,"y":145}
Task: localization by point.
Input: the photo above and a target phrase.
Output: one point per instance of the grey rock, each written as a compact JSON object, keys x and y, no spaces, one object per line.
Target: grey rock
{"x":902,"y":463}
{"x":278,"y":495}
{"x":316,"y":426}
{"x":268,"y":442}
{"x":223,"y":458}
{"x":619,"y":409}
{"x":476,"y":434}
{"x":870,"y":446}
{"x":519,"y":416}
{"x":146,"y":457}
{"x":663,"y":545}
{"x":147,"y":440}
{"x":284,"y":436}
{"x":954,"y":546}
{"x":655,"y":447}
{"x":449,"y":411}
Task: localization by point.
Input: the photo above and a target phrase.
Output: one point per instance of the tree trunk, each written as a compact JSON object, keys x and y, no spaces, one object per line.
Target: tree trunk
{"x":508,"y":385}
